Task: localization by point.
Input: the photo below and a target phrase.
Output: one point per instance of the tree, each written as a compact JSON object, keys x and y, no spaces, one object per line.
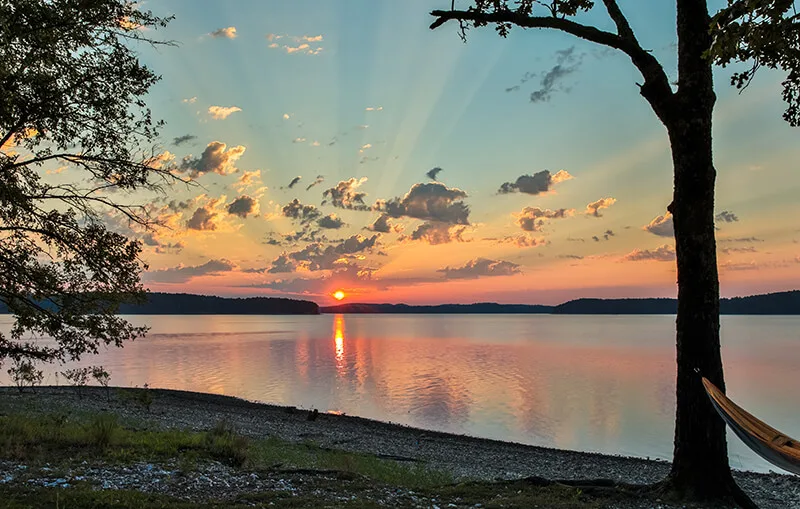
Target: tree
{"x":761,"y":32}
{"x":72,"y":94}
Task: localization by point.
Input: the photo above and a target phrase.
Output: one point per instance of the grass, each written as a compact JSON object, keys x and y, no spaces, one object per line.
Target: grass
{"x":329,"y":477}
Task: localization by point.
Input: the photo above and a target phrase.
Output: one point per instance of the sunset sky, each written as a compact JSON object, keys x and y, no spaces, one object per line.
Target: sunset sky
{"x":315,"y":130}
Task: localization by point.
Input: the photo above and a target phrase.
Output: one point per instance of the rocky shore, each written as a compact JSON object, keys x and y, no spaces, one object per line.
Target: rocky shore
{"x":466,"y":458}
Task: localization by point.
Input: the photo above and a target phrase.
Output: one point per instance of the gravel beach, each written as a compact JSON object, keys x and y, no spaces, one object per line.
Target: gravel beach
{"x":465,"y":457}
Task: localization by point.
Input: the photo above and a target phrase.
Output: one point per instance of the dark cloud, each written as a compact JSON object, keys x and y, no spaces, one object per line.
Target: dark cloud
{"x":531,"y":219}
{"x":742,"y":239}
{"x":432,"y":202}
{"x":182,"y":274}
{"x":180,"y":140}
{"x":345,"y":195}
{"x":305,"y":213}
{"x":593,"y":209}
{"x":438,"y":233}
{"x":203,"y":218}
{"x":282,"y":264}
{"x":177,"y":206}
{"x":242,"y":206}
{"x":149,"y":240}
{"x":170,"y":248}
{"x":608,"y":234}
{"x":538,"y":183}
{"x":316,"y":257}
{"x":567,"y":62}
{"x":294,"y":181}
{"x":595,"y":238}
{"x":331,"y":222}
{"x":665,"y":253}
{"x":726,"y":217}
{"x":433,"y":173}
{"x":481,"y":267}
{"x":571,"y":256}
{"x":661,"y":226}
{"x":573,"y":239}
{"x":216,"y":158}
{"x":381,"y":224}
{"x":319,"y":180}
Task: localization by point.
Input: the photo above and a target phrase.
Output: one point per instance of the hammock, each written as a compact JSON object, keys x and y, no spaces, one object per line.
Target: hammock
{"x":767,"y":442}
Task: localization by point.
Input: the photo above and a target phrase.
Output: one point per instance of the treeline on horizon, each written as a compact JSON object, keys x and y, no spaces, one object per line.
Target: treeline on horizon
{"x":781,"y":303}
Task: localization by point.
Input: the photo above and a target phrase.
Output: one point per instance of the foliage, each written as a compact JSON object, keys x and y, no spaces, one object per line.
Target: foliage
{"x":24,"y":374}
{"x":78,"y":377}
{"x":72,"y":96}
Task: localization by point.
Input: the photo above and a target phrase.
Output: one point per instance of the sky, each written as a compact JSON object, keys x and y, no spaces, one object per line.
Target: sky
{"x":342,"y":145}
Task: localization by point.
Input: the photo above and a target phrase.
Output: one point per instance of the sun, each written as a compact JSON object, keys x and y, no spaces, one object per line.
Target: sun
{"x":338,"y":295}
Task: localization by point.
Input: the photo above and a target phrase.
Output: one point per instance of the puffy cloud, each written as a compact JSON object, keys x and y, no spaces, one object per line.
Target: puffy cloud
{"x":190,"y":100}
{"x":345,"y":195}
{"x":215,"y":158}
{"x":331,"y":222}
{"x":593,"y":209}
{"x":438,"y":233}
{"x":182,"y":273}
{"x":726,"y":217}
{"x":204,"y":218}
{"x":222,"y":112}
{"x":294,"y":182}
{"x":302,"y":44}
{"x":296,"y":210}
{"x":661,"y":226}
{"x":180,"y":140}
{"x":282,"y":264}
{"x":433,"y":173}
{"x":665,"y":253}
{"x":242,"y":206}
{"x":531,"y":219}
{"x":228,"y":33}
{"x":538,"y":183}
{"x":432,"y":201}
{"x":383,"y":225}
{"x":365,"y":147}
{"x":480,"y":267}
{"x":316,"y":257}
{"x":170,"y":248}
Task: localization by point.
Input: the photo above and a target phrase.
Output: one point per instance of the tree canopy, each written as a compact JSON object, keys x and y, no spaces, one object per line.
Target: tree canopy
{"x":72,"y":97}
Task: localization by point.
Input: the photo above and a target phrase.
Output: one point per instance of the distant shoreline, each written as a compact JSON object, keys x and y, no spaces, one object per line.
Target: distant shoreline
{"x":779,"y":303}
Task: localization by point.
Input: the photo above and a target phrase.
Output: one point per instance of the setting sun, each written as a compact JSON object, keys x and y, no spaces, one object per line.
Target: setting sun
{"x":338,"y":295}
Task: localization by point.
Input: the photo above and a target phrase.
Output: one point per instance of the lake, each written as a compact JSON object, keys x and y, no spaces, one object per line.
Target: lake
{"x":591,"y":383}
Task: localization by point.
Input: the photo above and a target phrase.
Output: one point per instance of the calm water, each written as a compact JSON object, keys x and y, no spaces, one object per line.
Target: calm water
{"x":590,"y":383}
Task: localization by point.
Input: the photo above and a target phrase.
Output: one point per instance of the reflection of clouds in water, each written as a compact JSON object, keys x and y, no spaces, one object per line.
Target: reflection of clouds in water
{"x":435,"y":400}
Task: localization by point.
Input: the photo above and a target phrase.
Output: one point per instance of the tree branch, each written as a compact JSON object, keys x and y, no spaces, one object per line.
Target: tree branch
{"x":623,"y":27}
{"x":656,"y":88}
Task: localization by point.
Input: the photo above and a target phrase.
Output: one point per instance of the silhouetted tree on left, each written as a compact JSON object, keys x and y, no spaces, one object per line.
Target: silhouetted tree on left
{"x":72,"y":95}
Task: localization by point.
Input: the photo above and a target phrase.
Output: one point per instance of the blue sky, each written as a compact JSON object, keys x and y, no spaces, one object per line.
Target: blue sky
{"x":363,"y":89}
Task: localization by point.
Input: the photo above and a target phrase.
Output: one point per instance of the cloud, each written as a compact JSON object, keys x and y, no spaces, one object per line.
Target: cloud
{"x":311,"y":38}
{"x":203,"y":219}
{"x":365,"y":147}
{"x":190,"y":100}
{"x":215,"y":158}
{"x":432,"y":174}
{"x":431,"y":201}
{"x":373,"y":108}
{"x":242,"y":206}
{"x":56,"y":171}
{"x":170,"y":248}
{"x":726,"y":217}
{"x":315,"y":257}
{"x":481,"y":267}
{"x":538,"y":183}
{"x":383,"y":225}
{"x":299,"y":140}
{"x":571,"y":256}
{"x":294,"y":181}
{"x":305,"y":213}
{"x":302,"y":44}
{"x":282,"y":264}
{"x":182,"y":273}
{"x":228,"y":33}
{"x":665,"y":253}
{"x":319,"y":180}
{"x":608,"y":233}
{"x":521,"y":241}
{"x":331,"y":222}
{"x":435,"y":233}
{"x":345,"y":195}
{"x":566,"y":63}
{"x":180,"y":140}
{"x":661,"y":226}
{"x":736,"y":266}
{"x":746,"y":249}
{"x":248,"y":179}
{"x":593,"y":209}
{"x":531,"y":219}
{"x":286,"y":116}
{"x":742,"y":239}
{"x":222,"y":112}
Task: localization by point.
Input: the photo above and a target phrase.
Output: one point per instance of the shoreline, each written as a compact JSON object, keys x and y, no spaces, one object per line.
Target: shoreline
{"x":463,"y":456}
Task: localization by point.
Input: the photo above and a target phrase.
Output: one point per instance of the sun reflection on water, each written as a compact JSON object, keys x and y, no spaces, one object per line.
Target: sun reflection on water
{"x":338,"y":340}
